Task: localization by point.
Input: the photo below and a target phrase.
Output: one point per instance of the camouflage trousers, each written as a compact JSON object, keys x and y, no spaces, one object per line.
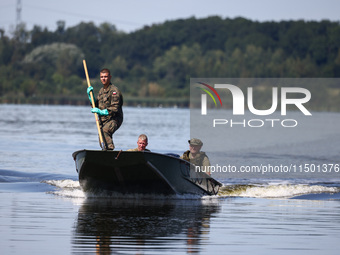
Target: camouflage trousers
{"x":108,"y":128}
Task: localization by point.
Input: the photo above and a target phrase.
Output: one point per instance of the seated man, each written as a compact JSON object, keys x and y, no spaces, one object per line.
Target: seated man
{"x":197,"y":157}
{"x":141,"y":143}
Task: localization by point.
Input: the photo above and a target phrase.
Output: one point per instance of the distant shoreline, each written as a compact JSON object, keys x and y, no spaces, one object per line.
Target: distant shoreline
{"x":81,"y":100}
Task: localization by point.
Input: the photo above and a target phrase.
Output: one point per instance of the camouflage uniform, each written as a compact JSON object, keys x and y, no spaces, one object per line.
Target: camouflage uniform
{"x":201,"y":159}
{"x":136,"y":149}
{"x":112,"y":100}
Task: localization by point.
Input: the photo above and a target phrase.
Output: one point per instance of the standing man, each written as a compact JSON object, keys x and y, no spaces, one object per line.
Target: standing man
{"x":197,"y":157}
{"x":142,"y":142}
{"x":109,"y":107}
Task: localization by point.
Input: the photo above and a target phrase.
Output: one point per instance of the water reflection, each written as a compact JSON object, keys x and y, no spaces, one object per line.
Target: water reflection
{"x":107,"y":226}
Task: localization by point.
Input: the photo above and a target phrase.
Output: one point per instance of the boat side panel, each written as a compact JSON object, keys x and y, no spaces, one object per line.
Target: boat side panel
{"x":103,"y":171}
{"x":179,"y":174}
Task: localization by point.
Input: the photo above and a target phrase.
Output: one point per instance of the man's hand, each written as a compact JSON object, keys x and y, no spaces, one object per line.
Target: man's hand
{"x":89,"y":89}
{"x":100,"y":112}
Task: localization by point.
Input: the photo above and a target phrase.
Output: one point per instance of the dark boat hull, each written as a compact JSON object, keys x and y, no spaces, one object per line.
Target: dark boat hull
{"x":128,"y":172}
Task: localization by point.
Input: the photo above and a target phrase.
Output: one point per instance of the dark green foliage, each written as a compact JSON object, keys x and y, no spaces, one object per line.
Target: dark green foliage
{"x":158,"y":61}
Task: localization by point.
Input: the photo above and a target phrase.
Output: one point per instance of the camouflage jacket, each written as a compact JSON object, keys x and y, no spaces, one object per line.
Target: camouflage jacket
{"x":136,"y":149}
{"x":112,"y":100}
{"x":201,"y":159}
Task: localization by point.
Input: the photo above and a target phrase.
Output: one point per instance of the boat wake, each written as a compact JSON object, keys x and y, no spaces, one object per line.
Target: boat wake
{"x":279,"y":191}
{"x":67,"y":187}
{"x":72,"y":189}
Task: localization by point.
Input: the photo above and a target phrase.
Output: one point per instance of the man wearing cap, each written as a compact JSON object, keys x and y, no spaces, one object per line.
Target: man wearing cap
{"x":195,"y":156}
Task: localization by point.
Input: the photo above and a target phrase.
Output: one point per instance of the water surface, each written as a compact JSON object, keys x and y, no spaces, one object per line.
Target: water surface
{"x":44,"y":211}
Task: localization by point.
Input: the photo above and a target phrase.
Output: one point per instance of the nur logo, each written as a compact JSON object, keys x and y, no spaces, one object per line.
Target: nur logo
{"x":239,"y":99}
{"x":204,"y":97}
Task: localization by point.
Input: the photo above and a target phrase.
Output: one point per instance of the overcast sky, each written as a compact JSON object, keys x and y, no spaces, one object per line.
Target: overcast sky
{"x":130,"y":15}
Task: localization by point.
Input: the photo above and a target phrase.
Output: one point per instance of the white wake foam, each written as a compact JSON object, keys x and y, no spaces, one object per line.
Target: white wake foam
{"x":275,"y":191}
{"x":67,"y":188}
{"x":72,"y":189}
{"x":64,"y":184}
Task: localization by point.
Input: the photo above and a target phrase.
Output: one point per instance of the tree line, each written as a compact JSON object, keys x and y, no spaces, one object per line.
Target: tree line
{"x":154,"y":64}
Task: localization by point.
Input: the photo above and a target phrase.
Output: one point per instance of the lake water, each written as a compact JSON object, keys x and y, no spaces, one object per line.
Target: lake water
{"x":44,"y":211}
